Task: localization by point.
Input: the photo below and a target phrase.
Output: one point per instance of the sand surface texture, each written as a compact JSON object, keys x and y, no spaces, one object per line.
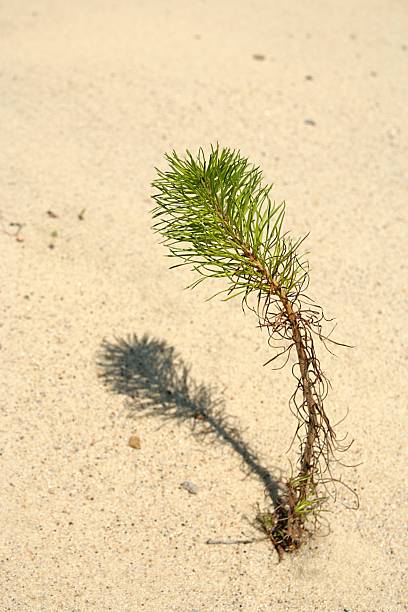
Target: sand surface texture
{"x":97,"y":333}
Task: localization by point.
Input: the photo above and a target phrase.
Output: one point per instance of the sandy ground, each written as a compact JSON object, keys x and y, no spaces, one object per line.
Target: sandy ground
{"x":94,"y":327}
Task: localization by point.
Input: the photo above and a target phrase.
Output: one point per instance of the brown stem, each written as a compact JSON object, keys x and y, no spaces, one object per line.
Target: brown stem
{"x":306,"y":460}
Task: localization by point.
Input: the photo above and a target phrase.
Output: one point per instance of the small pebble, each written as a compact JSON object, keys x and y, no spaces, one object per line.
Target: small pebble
{"x":259,"y":57}
{"x":134,"y":441}
{"x":190,"y":487}
{"x":309,"y":122}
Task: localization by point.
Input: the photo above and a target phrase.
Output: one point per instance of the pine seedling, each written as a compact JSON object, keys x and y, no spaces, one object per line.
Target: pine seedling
{"x":216,"y":216}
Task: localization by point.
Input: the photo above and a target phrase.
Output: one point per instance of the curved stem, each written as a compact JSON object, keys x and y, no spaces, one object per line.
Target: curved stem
{"x":309,"y":397}
{"x":306,"y":460}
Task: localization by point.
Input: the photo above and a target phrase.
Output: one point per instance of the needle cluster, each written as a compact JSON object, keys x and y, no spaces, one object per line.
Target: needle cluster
{"x":217,"y":216}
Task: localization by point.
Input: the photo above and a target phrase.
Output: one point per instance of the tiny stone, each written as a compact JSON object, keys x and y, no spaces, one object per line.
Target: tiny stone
{"x":190,"y":487}
{"x":309,"y":122}
{"x":259,"y":57}
{"x":309,"y":77}
{"x":134,"y":441}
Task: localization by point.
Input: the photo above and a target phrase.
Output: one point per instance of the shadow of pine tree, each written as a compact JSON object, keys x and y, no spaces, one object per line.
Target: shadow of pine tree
{"x":158,"y":382}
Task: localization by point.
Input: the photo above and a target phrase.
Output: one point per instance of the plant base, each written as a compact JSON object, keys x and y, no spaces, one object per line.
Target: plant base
{"x":285,"y":526}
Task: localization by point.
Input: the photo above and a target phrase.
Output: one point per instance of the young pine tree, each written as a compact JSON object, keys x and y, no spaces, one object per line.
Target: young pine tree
{"x":217,"y":217}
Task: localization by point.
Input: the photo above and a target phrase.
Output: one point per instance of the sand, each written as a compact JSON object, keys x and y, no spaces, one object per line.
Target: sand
{"x":92,"y":94}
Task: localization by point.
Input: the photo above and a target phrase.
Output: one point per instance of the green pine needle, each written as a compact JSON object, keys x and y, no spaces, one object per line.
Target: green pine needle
{"x":216,"y":215}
